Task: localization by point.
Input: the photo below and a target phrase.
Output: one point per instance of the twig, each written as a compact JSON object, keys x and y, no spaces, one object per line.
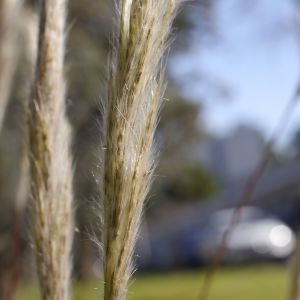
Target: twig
{"x":248,"y":194}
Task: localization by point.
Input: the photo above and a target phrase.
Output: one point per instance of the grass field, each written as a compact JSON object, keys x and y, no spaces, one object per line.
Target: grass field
{"x":246,"y":283}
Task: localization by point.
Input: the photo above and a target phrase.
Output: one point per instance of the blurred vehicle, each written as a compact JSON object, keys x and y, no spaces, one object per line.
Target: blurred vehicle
{"x":256,"y":236}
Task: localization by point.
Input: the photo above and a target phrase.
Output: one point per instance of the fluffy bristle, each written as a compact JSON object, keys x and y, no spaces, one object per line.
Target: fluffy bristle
{"x":135,"y":88}
{"x":51,"y":163}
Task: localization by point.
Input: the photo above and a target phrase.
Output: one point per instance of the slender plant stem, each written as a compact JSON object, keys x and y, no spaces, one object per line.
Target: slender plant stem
{"x":248,"y":192}
{"x":9,"y":16}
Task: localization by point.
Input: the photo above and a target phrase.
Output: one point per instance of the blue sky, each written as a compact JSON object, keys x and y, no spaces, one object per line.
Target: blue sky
{"x":258,"y":58}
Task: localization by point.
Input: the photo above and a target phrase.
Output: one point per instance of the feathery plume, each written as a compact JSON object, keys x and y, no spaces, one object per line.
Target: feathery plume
{"x":135,"y":88}
{"x":50,"y":158}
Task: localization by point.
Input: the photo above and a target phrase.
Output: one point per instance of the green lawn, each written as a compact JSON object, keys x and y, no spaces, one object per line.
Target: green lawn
{"x":247,"y":283}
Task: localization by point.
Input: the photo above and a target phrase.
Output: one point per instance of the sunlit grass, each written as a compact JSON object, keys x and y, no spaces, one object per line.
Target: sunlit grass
{"x":246,"y":283}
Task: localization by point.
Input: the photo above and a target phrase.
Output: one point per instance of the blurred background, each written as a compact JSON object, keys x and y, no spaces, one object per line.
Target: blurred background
{"x":233,"y":67}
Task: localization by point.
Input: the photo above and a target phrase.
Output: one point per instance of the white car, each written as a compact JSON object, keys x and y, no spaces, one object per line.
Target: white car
{"x":255,"y":236}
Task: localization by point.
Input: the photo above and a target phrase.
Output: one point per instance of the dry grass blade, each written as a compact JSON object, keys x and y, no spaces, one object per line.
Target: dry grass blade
{"x":248,"y":193}
{"x":9,"y":14}
{"x":135,"y":87}
{"x":50,"y":159}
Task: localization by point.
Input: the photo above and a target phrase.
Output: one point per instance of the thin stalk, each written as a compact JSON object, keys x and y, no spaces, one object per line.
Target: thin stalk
{"x":50,"y":158}
{"x":9,"y":16}
{"x":247,"y":195}
{"x":135,"y":88}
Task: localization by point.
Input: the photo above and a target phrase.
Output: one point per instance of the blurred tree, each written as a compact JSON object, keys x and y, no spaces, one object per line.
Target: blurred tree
{"x":189,"y":184}
{"x":13,"y":170}
{"x":295,"y":145}
{"x":180,"y":176}
{"x":178,"y":126}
